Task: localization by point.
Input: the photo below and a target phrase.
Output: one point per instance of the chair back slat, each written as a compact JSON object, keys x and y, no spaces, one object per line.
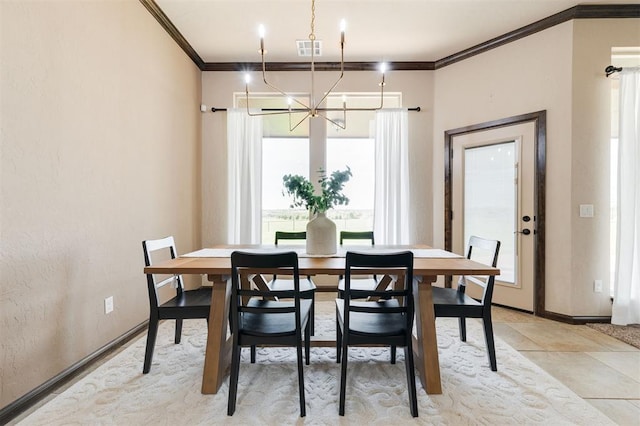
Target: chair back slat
{"x":169,"y":280}
{"x":357,"y":235}
{"x":283,"y":235}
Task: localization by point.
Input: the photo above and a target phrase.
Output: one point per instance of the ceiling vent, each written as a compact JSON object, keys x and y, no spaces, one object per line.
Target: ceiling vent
{"x":304,"y":47}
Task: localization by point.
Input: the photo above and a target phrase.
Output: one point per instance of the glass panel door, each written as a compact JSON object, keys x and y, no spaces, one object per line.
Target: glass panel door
{"x":490,"y":200}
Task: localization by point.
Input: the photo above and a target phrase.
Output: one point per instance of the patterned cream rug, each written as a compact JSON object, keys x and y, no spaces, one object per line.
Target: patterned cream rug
{"x":117,"y":393}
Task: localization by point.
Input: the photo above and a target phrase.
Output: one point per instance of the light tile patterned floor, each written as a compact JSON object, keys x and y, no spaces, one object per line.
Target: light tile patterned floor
{"x":600,"y":369}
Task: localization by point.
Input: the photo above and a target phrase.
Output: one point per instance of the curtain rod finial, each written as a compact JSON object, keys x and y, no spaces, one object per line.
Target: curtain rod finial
{"x":611,"y":69}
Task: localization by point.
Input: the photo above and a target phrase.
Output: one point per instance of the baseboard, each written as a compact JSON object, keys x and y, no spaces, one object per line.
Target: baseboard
{"x":32,"y":397}
{"x":575,"y":320}
{"x":511,"y":308}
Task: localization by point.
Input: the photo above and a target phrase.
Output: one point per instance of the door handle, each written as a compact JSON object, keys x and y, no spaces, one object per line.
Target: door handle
{"x":525,"y":231}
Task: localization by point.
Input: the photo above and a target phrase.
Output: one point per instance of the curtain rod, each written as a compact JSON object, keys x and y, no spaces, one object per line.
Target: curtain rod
{"x":214,"y":109}
{"x":611,"y":70}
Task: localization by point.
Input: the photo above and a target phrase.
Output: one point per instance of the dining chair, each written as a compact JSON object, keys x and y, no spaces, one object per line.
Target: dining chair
{"x":258,"y":319}
{"x":184,"y":304}
{"x":454,"y":302}
{"x":368,"y":282}
{"x":381,"y":322}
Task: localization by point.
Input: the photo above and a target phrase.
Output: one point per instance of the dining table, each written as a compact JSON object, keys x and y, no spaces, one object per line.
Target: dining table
{"x":215,"y":263}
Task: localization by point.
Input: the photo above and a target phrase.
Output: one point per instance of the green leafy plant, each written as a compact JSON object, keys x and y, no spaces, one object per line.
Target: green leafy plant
{"x":301,"y":189}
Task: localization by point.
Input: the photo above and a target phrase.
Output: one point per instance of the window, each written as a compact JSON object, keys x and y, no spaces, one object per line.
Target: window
{"x":359,"y":155}
{"x":285,"y":152}
{"x":282,"y":156}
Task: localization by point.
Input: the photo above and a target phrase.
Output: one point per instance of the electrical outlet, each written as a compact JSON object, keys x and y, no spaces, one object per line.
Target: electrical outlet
{"x":597,"y":286}
{"x":108,"y":305}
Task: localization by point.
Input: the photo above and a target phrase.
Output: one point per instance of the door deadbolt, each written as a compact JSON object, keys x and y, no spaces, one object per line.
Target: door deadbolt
{"x":526,"y":218}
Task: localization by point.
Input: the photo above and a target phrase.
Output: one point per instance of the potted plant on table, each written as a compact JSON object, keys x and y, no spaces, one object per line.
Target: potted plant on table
{"x":321,"y":231}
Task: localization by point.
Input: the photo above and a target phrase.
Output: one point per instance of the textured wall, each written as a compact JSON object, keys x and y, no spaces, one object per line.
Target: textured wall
{"x":100,"y":133}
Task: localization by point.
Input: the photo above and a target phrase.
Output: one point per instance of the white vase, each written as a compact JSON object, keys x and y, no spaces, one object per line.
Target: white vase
{"x":321,"y":235}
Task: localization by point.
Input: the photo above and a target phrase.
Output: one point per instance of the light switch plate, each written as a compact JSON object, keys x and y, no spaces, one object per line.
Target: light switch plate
{"x":586,"y":210}
{"x":108,"y":305}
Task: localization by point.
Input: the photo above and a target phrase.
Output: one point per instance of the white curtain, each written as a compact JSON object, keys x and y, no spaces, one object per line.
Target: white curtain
{"x":626,"y":298}
{"x":244,"y":146}
{"x":391,"y":200}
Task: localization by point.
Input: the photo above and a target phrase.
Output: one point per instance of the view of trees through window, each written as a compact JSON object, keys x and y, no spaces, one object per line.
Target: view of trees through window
{"x":281,"y":156}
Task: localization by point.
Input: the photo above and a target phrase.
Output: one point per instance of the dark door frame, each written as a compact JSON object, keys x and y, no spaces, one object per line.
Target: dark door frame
{"x":539,"y":119}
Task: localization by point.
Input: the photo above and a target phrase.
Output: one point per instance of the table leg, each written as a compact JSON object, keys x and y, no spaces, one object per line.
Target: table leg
{"x":218,"y":351}
{"x":425,"y":346}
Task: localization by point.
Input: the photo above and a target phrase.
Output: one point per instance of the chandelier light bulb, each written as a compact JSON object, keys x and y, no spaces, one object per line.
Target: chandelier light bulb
{"x":261,"y":31}
{"x":383,"y":67}
{"x":247,"y":78}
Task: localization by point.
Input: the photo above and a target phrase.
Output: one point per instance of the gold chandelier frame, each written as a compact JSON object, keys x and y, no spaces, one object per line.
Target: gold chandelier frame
{"x":314,"y":108}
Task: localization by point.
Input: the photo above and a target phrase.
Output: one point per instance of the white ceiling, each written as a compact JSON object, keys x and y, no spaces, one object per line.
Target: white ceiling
{"x":377,"y":30}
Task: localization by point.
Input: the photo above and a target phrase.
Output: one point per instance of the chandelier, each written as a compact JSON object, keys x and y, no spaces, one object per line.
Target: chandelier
{"x":314,"y":108}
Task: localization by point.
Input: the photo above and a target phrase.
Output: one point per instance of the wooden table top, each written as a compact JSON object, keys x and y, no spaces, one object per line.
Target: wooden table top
{"x":422,"y":266}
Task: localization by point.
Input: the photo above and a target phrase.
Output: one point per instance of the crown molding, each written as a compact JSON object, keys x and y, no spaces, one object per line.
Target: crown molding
{"x":576,"y":12}
{"x":176,"y":35}
{"x":319,"y":66}
{"x":598,"y":11}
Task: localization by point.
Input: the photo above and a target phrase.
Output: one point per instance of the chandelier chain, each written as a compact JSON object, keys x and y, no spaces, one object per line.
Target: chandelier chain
{"x":312,"y":36}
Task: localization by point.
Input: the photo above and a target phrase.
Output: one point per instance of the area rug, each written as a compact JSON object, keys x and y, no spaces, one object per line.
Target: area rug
{"x":629,"y":334}
{"x":117,"y":393}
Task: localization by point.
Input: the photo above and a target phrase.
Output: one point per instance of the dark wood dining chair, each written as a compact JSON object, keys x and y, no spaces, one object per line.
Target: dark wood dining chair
{"x":368,"y":282}
{"x":454,"y":302}
{"x":257,"y":319}
{"x":382,"y":322}
{"x":185,"y":304}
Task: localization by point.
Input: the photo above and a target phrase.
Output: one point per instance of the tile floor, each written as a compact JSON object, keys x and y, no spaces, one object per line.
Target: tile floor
{"x":600,"y":369}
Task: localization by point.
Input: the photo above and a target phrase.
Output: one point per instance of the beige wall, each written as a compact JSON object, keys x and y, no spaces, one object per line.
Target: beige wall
{"x":218,"y":89}
{"x":591,"y":130}
{"x":100,"y":133}
{"x":560,"y":70}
